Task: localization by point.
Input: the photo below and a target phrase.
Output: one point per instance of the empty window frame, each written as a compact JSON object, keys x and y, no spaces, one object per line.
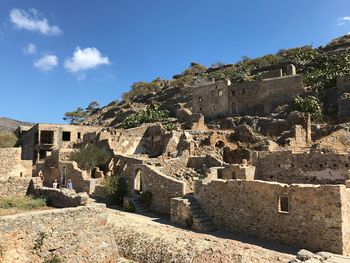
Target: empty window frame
{"x":46,"y":137}
{"x":283,"y":204}
{"x":79,"y":135}
{"x":66,"y":136}
{"x":200,"y":99}
{"x":220,"y":93}
{"x":243,"y":91}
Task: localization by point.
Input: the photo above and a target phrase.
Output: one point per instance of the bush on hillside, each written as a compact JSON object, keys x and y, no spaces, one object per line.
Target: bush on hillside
{"x":141,"y":88}
{"x":153,"y":113}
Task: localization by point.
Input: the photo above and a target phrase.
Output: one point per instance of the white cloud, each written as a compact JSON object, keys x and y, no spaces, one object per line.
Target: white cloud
{"x":46,"y":62}
{"x":343,"y":20}
{"x":33,"y":21}
{"x":29,"y":49}
{"x":84,"y":59}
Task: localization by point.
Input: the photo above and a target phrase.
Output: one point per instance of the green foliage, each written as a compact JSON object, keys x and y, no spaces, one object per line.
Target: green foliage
{"x":7,"y":139}
{"x":146,"y":198}
{"x":153,"y":113}
{"x":92,"y":107}
{"x":170,"y":126}
{"x":22,"y":202}
{"x":322,"y":72}
{"x":309,"y":104}
{"x":130,"y":208}
{"x":116,"y":188}
{"x":182,"y":81}
{"x":75,"y":117}
{"x":90,"y":156}
{"x":141,"y":88}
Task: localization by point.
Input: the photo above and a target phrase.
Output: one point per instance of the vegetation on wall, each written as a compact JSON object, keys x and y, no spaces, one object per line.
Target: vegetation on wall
{"x":153,"y":113}
{"x":90,"y":156}
{"x":7,"y":139}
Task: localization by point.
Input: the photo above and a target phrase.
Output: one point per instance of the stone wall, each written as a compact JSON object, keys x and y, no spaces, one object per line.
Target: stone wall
{"x":248,"y":98}
{"x":15,"y":186}
{"x":287,"y":167}
{"x":162,"y":187}
{"x":312,"y":217}
{"x":11,"y":164}
{"x":62,"y":197}
{"x":72,"y":234}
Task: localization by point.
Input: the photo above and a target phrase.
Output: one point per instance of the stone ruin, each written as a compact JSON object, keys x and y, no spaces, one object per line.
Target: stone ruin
{"x":260,"y":175}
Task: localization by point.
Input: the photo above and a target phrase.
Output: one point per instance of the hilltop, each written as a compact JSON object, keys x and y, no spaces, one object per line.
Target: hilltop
{"x":318,"y":66}
{"x":10,"y":125}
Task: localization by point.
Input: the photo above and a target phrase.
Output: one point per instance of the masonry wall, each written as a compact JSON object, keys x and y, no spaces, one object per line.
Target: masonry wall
{"x":162,"y":187}
{"x":16,"y":186}
{"x":211,"y":99}
{"x":286,"y":167}
{"x":73,"y":234}
{"x":314,"y":220}
{"x":262,"y":96}
{"x":11,"y":164}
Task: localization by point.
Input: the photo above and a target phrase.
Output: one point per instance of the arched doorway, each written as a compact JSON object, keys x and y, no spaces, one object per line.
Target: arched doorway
{"x":138,"y":181}
{"x":219,"y":144}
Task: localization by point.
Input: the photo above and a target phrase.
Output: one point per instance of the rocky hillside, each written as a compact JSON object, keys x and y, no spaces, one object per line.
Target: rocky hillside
{"x":10,"y":125}
{"x":319,"y":67}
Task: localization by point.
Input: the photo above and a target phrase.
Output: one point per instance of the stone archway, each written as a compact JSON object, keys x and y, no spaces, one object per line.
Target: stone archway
{"x":219,"y":144}
{"x":138,"y":181}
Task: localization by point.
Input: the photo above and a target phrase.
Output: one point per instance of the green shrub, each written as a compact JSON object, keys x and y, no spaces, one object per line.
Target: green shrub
{"x":116,"y":188}
{"x":153,"y":113}
{"x":7,"y":139}
{"x":170,"y":126}
{"x":130,"y":207}
{"x":141,"y":88}
{"x":22,"y":202}
{"x":309,"y":104}
{"x":90,"y":156}
{"x":146,"y":198}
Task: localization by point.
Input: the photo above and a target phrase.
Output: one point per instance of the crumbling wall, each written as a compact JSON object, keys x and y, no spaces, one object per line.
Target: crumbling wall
{"x":16,"y":186}
{"x":287,"y":167}
{"x":72,"y":234}
{"x":162,"y":187}
{"x":313,"y":220}
{"x":11,"y":164}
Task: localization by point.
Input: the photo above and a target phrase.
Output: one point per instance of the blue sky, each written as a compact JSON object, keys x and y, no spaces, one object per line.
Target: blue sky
{"x":58,"y":55}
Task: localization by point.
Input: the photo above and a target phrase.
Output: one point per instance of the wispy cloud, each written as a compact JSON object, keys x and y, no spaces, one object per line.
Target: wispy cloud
{"x":343,"y":20}
{"x":84,"y":59}
{"x":32,"y":20}
{"x":29,"y":49}
{"x":46,"y":62}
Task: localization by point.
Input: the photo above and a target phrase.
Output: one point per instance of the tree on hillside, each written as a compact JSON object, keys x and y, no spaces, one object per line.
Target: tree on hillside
{"x":92,"y":107}
{"x":75,"y":117}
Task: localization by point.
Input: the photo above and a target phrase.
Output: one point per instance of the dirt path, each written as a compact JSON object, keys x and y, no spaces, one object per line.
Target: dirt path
{"x":153,"y":239}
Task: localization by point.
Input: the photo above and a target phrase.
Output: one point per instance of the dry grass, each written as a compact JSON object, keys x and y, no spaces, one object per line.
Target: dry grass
{"x":17,"y":204}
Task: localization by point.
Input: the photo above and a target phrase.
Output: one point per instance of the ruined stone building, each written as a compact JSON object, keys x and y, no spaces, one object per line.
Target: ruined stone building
{"x":260,"y":97}
{"x":42,"y":138}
